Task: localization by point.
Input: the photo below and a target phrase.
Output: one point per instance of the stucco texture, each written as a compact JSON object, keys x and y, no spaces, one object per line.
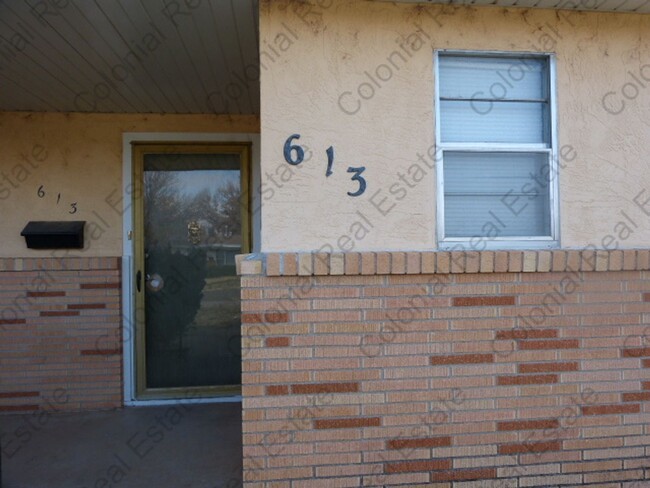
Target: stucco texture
{"x":78,"y":156}
{"x":323,"y":51}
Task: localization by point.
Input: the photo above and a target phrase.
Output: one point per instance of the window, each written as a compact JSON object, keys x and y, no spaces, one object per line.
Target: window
{"x":497,"y":167}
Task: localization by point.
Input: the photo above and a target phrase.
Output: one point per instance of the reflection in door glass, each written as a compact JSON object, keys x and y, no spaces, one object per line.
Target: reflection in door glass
{"x":193,"y":231}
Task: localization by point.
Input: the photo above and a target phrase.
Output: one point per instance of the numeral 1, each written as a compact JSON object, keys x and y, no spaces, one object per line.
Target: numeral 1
{"x":330,"y":160}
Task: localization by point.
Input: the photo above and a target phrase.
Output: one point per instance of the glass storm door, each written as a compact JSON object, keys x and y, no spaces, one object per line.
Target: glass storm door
{"x":191,"y":219}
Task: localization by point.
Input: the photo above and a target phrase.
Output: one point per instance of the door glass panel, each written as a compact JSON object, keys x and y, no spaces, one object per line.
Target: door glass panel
{"x":192,"y":233}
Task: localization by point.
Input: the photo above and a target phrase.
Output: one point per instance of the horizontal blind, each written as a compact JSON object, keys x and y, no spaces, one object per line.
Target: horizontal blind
{"x":483,"y":188}
{"x":493,"y":99}
{"x":510,"y":122}
{"x":494,"y":77}
{"x":500,"y":101}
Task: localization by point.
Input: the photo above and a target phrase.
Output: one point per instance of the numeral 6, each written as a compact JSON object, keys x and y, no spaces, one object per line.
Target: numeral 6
{"x":293,"y":153}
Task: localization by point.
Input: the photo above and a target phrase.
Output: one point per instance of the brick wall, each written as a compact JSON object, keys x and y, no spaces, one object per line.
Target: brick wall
{"x":446,"y":369}
{"x":60,"y":344}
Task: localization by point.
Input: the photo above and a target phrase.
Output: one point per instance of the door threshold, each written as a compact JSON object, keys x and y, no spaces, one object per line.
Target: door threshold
{"x":182,"y":401}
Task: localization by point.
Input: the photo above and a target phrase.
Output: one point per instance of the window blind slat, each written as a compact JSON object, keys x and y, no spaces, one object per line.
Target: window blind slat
{"x":482,"y":172}
{"x":477,"y":216}
{"x":493,"y":77}
{"x":496,"y":182}
{"x":508,"y":122}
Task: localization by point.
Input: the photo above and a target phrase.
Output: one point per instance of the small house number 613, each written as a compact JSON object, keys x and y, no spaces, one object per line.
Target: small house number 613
{"x":294,"y":154}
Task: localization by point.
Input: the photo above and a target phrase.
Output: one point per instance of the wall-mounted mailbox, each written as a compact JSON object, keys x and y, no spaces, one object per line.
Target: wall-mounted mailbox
{"x":54,"y":235}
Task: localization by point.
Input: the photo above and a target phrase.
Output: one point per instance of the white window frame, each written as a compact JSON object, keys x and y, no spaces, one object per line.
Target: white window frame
{"x":528,"y":242}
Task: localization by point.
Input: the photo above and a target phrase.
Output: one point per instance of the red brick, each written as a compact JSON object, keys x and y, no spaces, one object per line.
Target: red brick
{"x":646,"y":297}
{"x":527,"y":334}
{"x":311,"y":388}
{"x":483,"y":301}
{"x":462,"y":359}
{"x":636,"y":352}
{"x":277,"y":390}
{"x":416,"y":466}
{"x":528,"y":424}
{"x":527,"y":379}
{"x":465,"y":474}
{"x":19,"y":394}
{"x":531,"y":446}
{"x":277,"y":342}
{"x":349,"y":423}
{"x":547,"y":367}
{"x":12,"y":321}
{"x":87,"y":306}
{"x":418,"y":443}
{"x":44,"y":294}
{"x":646,"y":385}
{"x":643,"y":396}
{"x":610,"y":409}
{"x":18,"y":408}
{"x":60,"y":313}
{"x":265,"y":318}
{"x":560,"y":344}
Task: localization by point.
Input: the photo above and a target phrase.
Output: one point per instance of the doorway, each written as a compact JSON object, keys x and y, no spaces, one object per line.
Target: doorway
{"x":191,"y":218}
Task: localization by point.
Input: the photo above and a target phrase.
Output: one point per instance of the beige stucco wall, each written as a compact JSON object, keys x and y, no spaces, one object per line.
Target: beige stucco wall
{"x":321,"y":52}
{"x":80,"y":157}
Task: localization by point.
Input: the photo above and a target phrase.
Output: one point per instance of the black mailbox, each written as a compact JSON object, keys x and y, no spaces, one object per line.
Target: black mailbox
{"x":54,"y":235}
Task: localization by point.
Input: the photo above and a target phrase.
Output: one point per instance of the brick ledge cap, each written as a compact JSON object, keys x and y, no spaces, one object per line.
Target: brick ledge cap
{"x":441,"y":262}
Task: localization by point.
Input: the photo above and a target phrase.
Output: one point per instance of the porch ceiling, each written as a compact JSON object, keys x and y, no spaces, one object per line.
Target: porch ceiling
{"x":633,"y":6}
{"x":154,"y":56}
{"x":146,"y":56}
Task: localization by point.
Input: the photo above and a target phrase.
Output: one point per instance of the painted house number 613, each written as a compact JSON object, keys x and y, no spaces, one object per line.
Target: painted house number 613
{"x":294,"y":154}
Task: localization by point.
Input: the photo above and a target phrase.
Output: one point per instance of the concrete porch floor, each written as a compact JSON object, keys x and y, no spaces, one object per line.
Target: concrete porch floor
{"x":180,"y":446}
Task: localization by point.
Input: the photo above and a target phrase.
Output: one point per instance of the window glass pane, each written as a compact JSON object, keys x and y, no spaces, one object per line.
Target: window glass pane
{"x":496,"y":194}
{"x":513,"y":122}
{"x":493,"y":77}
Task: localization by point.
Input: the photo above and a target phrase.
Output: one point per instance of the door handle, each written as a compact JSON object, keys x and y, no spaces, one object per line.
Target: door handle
{"x":138,"y":280}
{"x":154,"y":282}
